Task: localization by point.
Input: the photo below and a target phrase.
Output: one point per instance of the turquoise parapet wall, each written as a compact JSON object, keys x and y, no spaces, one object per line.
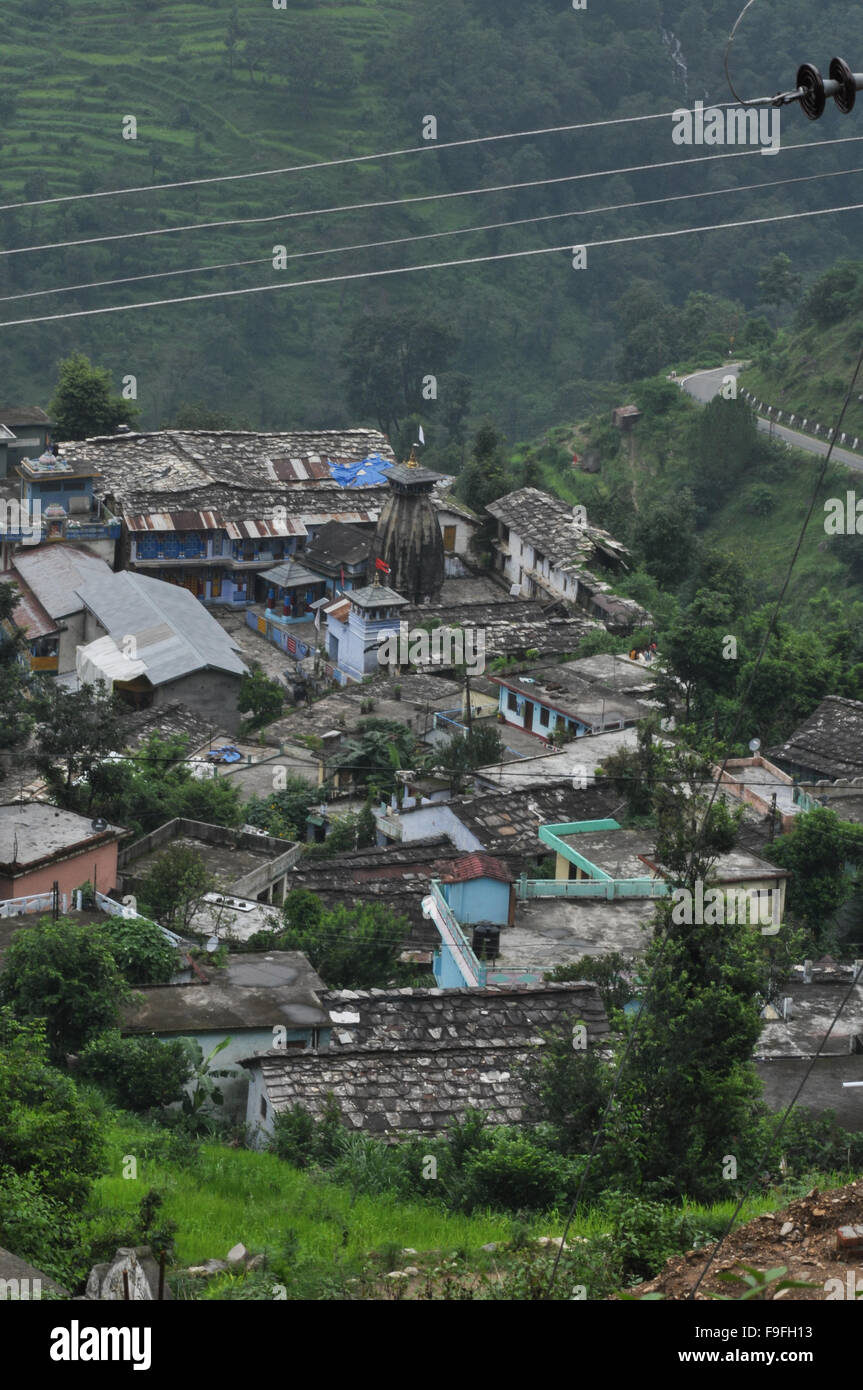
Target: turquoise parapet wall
{"x":551,"y":835}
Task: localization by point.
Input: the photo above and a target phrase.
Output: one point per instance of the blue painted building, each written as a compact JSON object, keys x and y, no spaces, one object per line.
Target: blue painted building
{"x":478,"y":889}
{"x":356,"y":627}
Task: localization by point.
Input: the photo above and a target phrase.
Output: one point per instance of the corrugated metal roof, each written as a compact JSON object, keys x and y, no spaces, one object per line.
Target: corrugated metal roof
{"x":54,"y":573}
{"x":297,"y":470}
{"x":254,"y":530}
{"x":174,"y":521}
{"x":174,"y":633}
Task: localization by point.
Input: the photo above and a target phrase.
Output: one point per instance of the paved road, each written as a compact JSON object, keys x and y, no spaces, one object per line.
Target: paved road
{"x":703,"y":386}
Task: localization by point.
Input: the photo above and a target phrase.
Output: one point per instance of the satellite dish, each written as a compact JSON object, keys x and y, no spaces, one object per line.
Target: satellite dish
{"x":99,"y":824}
{"x":754,"y":745}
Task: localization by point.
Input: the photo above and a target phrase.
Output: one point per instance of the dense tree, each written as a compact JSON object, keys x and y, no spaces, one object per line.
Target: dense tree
{"x":818,"y":850}
{"x":386,"y":359}
{"x":172,"y":889}
{"x":778,"y":284}
{"x":75,"y":730}
{"x":48,"y":1131}
{"x":141,"y":950}
{"x":350,"y":947}
{"x":66,"y":974}
{"x":263,"y":699}
{"x":284,"y":812}
{"x":84,"y":403}
{"x":138,"y":1073}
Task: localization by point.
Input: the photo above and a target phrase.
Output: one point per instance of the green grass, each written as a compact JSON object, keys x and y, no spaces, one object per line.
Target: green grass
{"x":235,"y":1195}
{"x":232,"y":1195}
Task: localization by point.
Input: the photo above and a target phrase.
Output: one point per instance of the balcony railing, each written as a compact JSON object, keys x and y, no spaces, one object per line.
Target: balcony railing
{"x":452,"y":936}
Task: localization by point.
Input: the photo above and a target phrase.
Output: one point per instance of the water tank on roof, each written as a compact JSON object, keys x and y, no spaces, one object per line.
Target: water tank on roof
{"x":486,"y":940}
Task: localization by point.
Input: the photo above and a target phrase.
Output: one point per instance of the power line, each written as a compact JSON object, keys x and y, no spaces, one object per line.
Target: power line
{"x":351,"y":159}
{"x":416,"y":198}
{"x":427,"y":236}
{"x":434,"y":265}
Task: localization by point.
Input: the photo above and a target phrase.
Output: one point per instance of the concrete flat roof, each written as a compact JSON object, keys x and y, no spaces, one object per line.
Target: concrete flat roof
{"x":254,"y":990}
{"x":225,"y":864}
{"x":556,"y":931}
{"x":32,"y":831}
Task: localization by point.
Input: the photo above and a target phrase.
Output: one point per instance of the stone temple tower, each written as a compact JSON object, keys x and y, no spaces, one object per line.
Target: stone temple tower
{"x":408,"y":537}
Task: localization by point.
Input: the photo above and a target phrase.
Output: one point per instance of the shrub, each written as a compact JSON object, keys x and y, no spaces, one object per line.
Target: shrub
{"x":515,"y":1174}
{"x":645,"y":1234}
{"x":40,"y":1229}
{"x":138,"y":1073}
{"x":142,"y":952}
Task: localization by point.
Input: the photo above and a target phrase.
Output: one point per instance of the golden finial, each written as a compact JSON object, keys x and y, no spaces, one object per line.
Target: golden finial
{"x":411,"y":462}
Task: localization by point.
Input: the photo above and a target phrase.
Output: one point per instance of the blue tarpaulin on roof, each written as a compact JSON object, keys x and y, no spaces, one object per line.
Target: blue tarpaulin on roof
{"x":368,"y":471}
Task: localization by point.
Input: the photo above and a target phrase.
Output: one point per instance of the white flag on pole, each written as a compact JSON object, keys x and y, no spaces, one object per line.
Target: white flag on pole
{"x":422,"y":438}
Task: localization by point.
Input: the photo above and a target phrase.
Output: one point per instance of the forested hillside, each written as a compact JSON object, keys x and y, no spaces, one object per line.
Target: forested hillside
{"x":222,"y":88}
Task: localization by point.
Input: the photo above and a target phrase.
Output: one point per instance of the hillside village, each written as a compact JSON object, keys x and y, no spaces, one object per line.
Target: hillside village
{"x":422,"y":681}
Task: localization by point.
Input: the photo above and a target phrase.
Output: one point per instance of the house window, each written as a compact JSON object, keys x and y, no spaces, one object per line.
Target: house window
{"x":543,"y":716}
{"x":512,"y":700}
{"x":263,"y":1107}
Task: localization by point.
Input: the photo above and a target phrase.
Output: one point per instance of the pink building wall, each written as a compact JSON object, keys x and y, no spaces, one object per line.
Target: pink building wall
{"x":96,"y":864}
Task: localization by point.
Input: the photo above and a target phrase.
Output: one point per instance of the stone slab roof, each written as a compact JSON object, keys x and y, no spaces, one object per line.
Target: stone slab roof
{"x":829,"y":743}
{"x":168,"y":461}
{"x":424,"y":1019}
{"x":397,"y":876}
{"x":416,"y":1083}
{"x":548,"y":525}
{"x":508,"y":822}
{"x":339,"y":544}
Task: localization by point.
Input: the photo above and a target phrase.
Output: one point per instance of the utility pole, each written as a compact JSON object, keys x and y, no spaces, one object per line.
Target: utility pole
{"x":469,"y":714}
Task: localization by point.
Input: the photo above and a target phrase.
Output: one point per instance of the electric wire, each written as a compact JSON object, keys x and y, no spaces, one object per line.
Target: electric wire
{"x":434,"y":265}
{"x":430,"y":145}
{"x":427,"y":236}
{"x":418,"y":198}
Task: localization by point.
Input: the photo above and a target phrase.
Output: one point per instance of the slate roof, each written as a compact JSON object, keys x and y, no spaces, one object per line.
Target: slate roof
{"x":167,"y":461}
{"x":376,"y":596}
{"x":434,"y":1019}
{"x":508,"y":822}
{"x":428,"y":1056}
{"x":829,"y":743}
{"x":395,"y":875}
{"x":547,"y":524}
{"x":337,"y":544}
{"x":55,"y":572}
{"x":175,"y":633}
{"x":291,"y":574}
